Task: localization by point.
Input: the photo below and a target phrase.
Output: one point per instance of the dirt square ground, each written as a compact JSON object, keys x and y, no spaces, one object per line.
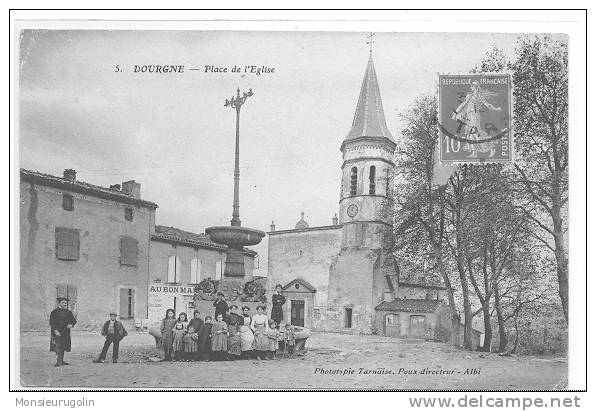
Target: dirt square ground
{"x":332,"y":361}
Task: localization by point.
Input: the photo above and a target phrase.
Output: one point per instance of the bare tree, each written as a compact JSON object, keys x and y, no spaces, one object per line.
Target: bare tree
{"x":420,"y":204}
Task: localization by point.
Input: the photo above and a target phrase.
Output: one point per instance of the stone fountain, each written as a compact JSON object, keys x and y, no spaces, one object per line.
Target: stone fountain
{"x":235,"y":236}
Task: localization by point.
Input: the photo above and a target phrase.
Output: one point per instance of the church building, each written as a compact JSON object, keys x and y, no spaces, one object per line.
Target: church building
{"x":344,"y":276}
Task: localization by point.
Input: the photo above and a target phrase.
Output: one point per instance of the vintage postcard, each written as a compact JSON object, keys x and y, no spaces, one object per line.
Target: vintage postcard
{"x":207,"y":207}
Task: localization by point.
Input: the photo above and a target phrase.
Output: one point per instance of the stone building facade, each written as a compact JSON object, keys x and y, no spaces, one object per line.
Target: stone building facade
{"x":349,"y":266}
{"x":100,"y":248}
{"x":84,"y":242}
{"x":180,"y":261}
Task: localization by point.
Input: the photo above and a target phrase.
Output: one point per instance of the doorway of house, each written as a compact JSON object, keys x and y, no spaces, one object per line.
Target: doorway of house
{"x":348,"y":318}
{"x":127,"y":302}
{"x":417,"y":326}
{"x":392,"y":325}
{"x":297,"y":315}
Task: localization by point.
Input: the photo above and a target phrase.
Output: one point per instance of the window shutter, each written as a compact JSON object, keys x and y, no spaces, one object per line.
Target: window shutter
{"x":71,"y":292}
{"x":194,"y":270}
{"x":67,"y":243}
{"x":178,"y":267}
{"x":129,"y":251}
{"x":61,"y":291}
{"x":124,"y":303}
{"x":172,"y":269}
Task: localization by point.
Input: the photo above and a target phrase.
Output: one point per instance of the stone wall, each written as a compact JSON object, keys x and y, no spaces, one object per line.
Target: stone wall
{"x":350,"y":287}
{"x":306,"y":254}
{"x":97,"y":275}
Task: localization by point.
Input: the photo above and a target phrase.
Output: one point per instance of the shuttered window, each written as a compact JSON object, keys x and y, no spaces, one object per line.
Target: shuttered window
{"x":220,"y":268}
{"x":174,"y":265}
{"x":67,"y":243}
{"x":129,"y":251}
{"x":127,"y":302}
{"x":70,"y":293}
{"x":195,"y":271}
{"x":67,"y":202}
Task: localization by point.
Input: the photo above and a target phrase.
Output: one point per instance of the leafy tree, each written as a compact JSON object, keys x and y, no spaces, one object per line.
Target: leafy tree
{"x":540,"y":78}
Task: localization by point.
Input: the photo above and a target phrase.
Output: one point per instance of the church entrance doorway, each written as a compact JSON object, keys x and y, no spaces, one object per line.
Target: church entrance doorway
{"x":417,"y":326}
{"x":297,"y":313}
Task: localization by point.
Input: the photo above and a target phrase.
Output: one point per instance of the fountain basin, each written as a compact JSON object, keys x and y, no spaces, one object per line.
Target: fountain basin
{"x":235,"y":236}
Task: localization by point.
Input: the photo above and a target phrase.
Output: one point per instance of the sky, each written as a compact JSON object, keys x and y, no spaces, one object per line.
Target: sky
{"x":172,"y":133}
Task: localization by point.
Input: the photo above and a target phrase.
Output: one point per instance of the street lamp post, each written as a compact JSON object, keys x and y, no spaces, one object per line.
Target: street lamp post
{"x":237,"y":102}
{"x":235,"y":236}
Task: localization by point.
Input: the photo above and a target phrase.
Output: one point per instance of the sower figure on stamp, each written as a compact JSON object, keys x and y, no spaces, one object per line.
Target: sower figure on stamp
{"x":114,"y":332}
{"x":61,"y":321}
{"x":278,"y":300}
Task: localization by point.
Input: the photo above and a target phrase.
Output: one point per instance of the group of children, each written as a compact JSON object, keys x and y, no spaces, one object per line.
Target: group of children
{"x":231,"y":336}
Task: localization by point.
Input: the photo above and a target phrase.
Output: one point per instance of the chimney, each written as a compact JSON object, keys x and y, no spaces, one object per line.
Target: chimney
{"x":70,"y":174}
{"x":387,"y":296}
{"x":334,"y":219}
{"x":132,"y":188}
{"x":272,"y":226}
{"x":115,"y":187}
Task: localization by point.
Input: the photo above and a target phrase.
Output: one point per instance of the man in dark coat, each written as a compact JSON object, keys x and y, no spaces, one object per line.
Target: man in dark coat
{"x":61,"y":321}
{"x":221,"y":307}
{"x":278,"y":300}
{"x":114,"y":332}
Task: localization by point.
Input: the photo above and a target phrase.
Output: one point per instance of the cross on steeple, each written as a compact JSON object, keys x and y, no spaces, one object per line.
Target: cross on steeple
{"x":370,"y":41}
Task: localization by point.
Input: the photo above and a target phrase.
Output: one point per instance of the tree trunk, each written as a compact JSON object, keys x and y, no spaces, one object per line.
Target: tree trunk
{"x":562,"y":262}
{"x":488,"y":331}
{"x":467,"y":306}
{"x":500,"y":320}
{"x":450,"y":296}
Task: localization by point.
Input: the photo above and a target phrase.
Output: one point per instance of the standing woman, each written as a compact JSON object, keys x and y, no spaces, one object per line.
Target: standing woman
{"x":278,"y":300}
{"x":246,"y":336}
{"x":167,"y":338}
{"x":260,"y":326}
{"x":234,"y":322}
{"x":219,"y":338}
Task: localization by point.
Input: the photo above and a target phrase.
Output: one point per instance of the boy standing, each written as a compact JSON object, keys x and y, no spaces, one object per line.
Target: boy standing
{"x":114,"y":331}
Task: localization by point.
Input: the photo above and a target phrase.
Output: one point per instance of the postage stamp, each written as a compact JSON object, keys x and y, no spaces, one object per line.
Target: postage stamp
{"x":475,"y":117}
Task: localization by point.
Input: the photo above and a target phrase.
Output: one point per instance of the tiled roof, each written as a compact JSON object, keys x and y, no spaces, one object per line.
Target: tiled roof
{"x":83,"y":188}
{"x":410,"y":305}
{"x":369,"y":118}
{"x":419,"y":285}
{"x":178,"y":236}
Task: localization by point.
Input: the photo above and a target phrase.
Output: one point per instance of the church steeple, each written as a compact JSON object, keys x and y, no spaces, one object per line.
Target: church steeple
{"x":369,"y":119}
{"x":366,"y":195}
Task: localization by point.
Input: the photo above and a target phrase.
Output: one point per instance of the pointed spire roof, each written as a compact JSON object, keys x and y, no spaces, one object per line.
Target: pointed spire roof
{"x":369,"y":119}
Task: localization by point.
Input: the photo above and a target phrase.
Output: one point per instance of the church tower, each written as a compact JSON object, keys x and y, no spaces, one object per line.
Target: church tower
{"x":367,"y":169}
{"x":364,"y":268}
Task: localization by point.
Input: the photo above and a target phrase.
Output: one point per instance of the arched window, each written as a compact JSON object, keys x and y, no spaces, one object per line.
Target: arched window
{"x":174,"y":266}
{"x":371,"y":180}
{"x":195,"y":271}
{"x":353,"y":181}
